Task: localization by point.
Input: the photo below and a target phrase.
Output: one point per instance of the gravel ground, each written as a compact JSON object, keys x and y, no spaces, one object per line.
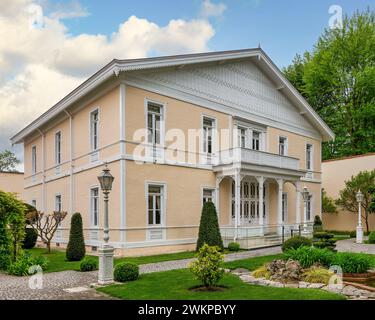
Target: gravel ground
{"x":17,"y":288}
{"x":349,"y":245}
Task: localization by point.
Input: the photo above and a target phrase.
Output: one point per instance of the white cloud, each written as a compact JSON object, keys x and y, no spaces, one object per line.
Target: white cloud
{"x":39,"y":64}
{"x":209,"y":9}
{"x":69,"y":10}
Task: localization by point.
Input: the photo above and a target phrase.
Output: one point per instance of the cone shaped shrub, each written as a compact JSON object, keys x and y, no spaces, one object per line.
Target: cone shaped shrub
{"x":209,"y":231}
{"x":76,"y":245}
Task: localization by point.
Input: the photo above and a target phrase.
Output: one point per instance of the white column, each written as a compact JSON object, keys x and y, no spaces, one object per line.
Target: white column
{"x":280,"y":183}
{"x":359,"y":233}
{"x":217,"y":194}
{"x":298,"y":202}
{"x":237,"y":199}
{"x":122,"y":162}
{"x":261,"y":188}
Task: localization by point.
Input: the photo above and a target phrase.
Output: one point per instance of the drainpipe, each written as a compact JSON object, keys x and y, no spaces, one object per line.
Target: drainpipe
{"x":71,"y":205}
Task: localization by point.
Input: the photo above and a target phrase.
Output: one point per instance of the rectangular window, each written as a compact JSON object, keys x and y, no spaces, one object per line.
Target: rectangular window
{"x":309,"y":208}
{"x":94,"y":206}
{"x":309,"y":157}
{"x":154,"y":118}
{"x":242,"y":137}
{"x":155,"y":204}
{"x":208,"y":195}
{"x":94,"y":130}
{"x":33,"y":203}
{"x":282,"y":146}
{"x":208,"y":126}
{"x":58,"y":203}
{"x":58,"y":148}
{"x":33,"y":160}
{"x":285,"y":207}
{"x":256,"y":140}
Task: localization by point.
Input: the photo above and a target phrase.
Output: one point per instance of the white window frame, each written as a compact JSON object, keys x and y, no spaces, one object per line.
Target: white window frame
{"x":239,"y":136}
{"x":309,"y":201}
{"x":213,"y":135}
{"x":33,"y":159}
{"x":155,"y":150}
{"x":284,"y":207}
{"x":91,"y":206}
{"x":250,"y":128}
{"x":94,"y":150}
{"x":163,"y":202}
{"x":285,"y":145}
{"x":213,"y":191}
{"x":311,"y":157}
{"x":58,"y":195}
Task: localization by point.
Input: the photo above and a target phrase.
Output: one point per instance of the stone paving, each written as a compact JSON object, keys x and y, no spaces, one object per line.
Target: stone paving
{"x":349,"y":245}
{"x":55,"y":283}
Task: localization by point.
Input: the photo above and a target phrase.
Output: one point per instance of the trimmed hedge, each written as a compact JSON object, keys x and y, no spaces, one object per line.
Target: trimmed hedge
{"x":209,"y":231}
{"x":234,"y":246}
{"x":371,"y":237}
{"x":75,"y":250}
{"x":296,"y":242}
{"x":126,"y":271}
{"x":88,"y":264}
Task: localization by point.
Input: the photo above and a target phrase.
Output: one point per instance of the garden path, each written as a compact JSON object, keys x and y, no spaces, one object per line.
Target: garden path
{"x":349,"y":245}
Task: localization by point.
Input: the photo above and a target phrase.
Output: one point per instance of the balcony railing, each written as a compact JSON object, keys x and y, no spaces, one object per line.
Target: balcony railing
{"x":249,"y":156}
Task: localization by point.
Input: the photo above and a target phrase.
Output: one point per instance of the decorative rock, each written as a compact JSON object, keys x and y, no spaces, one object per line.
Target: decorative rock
{"x":316,"y":285}
{"x":351,"y":291}
{"x":303,"y":284}
{"x":291,"y":285}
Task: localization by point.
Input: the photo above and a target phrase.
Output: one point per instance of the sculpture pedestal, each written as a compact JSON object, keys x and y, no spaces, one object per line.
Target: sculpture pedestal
{"x":105,"y":265}
{"x":359,"y":238}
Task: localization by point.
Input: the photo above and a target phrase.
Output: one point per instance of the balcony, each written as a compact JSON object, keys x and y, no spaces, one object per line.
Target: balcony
{"x":246,"y":156}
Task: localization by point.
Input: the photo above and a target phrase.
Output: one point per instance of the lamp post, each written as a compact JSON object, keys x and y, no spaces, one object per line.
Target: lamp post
{"x":105,"y":250}
{"x":305,"y":197}
{"x":359,"y":233}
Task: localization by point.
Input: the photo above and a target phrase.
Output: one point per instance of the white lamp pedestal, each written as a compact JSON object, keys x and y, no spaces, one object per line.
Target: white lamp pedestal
{"x":359,"y":238}
{"x":105,"y":265}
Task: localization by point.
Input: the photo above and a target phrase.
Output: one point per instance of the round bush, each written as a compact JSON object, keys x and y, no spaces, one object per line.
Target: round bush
{"x":353,"y":234}
{"x":371,"y":237}
{"x":126,"y":271}
{"x":234,"y":246}
{"x":88,"y":264}
{"x":30,"y":238}
{"x":296,"y":242}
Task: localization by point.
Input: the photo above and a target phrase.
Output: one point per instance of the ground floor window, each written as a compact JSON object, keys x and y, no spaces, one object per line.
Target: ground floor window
{"x":309,"y":208}
{"x":58,"y":203}
{"x":208,"y":195}
{"x":33,"y":203}
{"x":94,"y":206}
{"x":155,"y":200}
{"x":284,"y":207}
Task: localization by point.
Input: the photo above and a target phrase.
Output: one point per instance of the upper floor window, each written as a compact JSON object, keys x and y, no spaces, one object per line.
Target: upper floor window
{"x":309,"y":156}
{"x":208,"y":195}
{"x":155,"y":198}
{"x":33,"y":160}
{"x":242,"y":137}
{"x":208,"y":126}
{"x":58,"y":148}
{"x":256,"y":140}
{"x":58,"y":203}
{"x":282,"y":146}
{"x":154,"y":118}
{"x":94,"y":206}
{"x":94,"y":130}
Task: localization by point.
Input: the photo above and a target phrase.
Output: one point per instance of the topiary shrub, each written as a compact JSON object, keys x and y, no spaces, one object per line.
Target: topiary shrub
{"x":353,"y":234}
{"x":352,"y":262}
{"x":76,"y":245}
{"x":209,"y":231}
{"x":308,"y":256}
{"x":318,"y":224}
{"x":234,"y":246}
{"x":296,"y":242}
{"x":126,"y":271}
{"x":207,"y":267}
{"x":88,"y":264}
{"x":371,"y":237}
{"x":324,"y":240}
{"x":31,"y":237}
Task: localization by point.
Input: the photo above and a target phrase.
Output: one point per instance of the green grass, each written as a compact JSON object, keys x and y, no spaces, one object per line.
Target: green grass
{"x":175,"y":285}
{"x":251,"y":263}
{"x":57,"y":258}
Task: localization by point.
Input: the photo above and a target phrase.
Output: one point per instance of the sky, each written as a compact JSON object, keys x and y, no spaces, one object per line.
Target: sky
{"x":48,"y":47}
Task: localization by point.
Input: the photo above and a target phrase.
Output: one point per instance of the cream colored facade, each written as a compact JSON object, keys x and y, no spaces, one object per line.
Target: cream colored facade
{"x":335,"y":173}
{"x":12,"y":182}
{"x":61,"y":166}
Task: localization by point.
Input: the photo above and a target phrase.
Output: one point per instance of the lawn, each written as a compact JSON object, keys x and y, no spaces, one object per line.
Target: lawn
{"x":57,"y":260}
{"x":175,"y":285}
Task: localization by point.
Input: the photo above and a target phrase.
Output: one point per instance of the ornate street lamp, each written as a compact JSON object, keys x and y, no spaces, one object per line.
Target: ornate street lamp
{"x":305,"y":197}
{"x":105,"y":250}
{"x":359,"y":233}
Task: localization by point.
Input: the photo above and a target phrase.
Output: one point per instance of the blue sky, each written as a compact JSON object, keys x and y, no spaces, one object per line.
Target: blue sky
{"x":283,"y":28}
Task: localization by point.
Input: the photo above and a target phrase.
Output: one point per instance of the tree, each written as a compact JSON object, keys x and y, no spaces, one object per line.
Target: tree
{"x":328,"y":204}
{"x":76,"y":245}
{"x":364,"y":181}
{"x":12,"y":225}
{"x":8,"y":161}
{"x":209,"y":231}
{"x":45,"y":224}
{"x":338,"y":80}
